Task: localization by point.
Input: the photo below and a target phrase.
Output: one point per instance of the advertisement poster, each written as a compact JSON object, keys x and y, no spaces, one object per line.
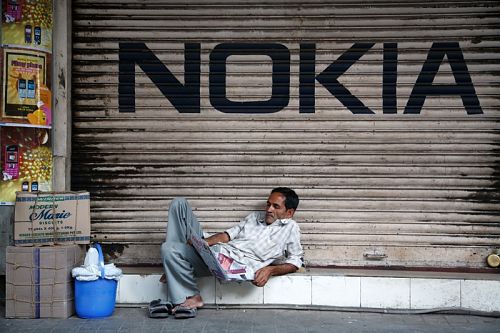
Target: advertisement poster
{"x":26,"y":92}
{"x":26,"y":161}
{"x":27,"y":23}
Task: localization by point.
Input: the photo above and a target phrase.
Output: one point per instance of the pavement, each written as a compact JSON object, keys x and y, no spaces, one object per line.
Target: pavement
{"x":265,"y":320}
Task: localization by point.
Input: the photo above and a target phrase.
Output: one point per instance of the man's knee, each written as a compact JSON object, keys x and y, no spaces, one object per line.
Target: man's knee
{"x":178,"y":202}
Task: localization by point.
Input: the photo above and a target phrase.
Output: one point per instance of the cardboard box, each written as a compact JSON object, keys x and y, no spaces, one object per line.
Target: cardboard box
{"x":39,"y":282}
{"x":47,"y":218}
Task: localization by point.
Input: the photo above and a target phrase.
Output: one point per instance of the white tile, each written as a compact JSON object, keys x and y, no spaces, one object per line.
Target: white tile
{"x":434,"y":293}
{"x":288,"y":289}
{"x":207,"y":289}
{"x":141,"y":289}
{"x":385,"y":293}
{"x":133,"y":288}
{"x":238,"y":293}
{"x":481,"y":295}
{"x":336,"y":291}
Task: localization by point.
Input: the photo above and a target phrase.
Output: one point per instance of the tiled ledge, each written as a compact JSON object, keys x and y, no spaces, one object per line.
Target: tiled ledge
{"x":399,"y":290}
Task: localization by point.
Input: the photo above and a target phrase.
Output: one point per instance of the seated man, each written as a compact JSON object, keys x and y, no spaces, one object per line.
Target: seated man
{"x":267,"y":242}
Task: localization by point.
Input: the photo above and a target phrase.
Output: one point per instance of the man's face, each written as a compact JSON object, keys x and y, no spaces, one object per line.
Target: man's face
{"x":275,"y":208}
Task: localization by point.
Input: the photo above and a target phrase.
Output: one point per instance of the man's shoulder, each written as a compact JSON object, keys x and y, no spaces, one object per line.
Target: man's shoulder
{"x":293,"y":224}
{"x":256,"y":216}
{"x":288,"y":224}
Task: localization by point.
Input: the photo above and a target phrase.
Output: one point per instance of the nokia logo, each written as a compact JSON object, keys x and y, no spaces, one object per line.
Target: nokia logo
{"x":186,"y":97}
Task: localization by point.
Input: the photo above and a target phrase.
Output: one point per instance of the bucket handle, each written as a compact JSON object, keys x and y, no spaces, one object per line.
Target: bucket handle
{"x":101,"y":259}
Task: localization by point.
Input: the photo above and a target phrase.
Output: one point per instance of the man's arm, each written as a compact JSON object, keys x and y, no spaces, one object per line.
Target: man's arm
{"x":221,"y":237}
{"x":263,"y":274}
{"x":291,"y":264}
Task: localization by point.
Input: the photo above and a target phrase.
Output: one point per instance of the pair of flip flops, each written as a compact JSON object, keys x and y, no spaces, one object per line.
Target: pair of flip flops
{"x":162,"y":309}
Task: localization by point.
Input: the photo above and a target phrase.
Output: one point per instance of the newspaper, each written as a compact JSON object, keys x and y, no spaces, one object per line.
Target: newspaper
{"x":221,"y":266}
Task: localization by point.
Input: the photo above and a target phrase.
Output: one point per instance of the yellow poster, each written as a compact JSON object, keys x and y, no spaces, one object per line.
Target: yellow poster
{"x":26,"y":93}
{"x":26,"y":161}
{"x":27,"y":23}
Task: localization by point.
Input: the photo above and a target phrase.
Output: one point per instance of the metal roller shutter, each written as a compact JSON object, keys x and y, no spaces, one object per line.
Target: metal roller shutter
{"x":384,"y":180}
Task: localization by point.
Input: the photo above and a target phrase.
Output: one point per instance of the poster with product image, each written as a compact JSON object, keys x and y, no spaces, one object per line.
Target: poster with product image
{"x":26,"y":161}
{"x":27,"y":24}
{"x":26,"y":93}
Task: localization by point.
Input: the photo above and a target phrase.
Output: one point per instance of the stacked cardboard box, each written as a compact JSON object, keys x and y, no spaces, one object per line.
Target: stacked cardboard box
{"x":38,"y":278}
{"x":38,"y":281}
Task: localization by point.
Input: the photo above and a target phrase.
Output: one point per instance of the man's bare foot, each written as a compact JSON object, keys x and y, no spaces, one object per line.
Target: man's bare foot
{"x":192,"y":302}
{"x":163,"y":278}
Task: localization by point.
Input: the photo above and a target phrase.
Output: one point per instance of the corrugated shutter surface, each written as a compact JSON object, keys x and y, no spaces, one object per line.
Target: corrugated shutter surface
{"x":380,"y":189}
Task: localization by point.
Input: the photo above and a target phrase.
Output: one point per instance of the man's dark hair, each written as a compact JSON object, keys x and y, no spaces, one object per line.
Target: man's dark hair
{"x":291,"y":198}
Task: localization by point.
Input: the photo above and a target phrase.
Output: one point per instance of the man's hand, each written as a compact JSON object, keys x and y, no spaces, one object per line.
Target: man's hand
{"x":263,"y":274}
{"x":221,"y":237}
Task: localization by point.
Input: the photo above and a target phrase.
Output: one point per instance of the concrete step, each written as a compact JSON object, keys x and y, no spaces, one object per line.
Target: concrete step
{"x":336,"y":288}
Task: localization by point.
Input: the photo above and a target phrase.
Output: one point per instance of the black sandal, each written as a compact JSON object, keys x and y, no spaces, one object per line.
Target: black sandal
{"x":159,"y":309}
{"x":182,"y":312}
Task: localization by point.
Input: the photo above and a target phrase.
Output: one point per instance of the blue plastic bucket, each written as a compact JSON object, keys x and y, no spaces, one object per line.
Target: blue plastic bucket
{"x":95,"y":299}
